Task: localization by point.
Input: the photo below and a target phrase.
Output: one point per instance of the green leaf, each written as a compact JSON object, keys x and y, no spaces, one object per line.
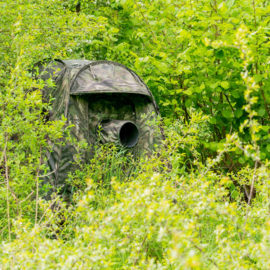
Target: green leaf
{"x":235,"y":94}
{"x":235,"y":194}
{"x":225,"y":85}
{"x":268,"y":148}
{"x":238,"y":151}
{"x":219,"y":54}
{"x":241,"y":160}
{"x":227,"y":114}
{"x":113,"y":30}
{"x":212,"y":120}
{"x":222,"y":7}
{"x":198,"y":90}
{"x":161,"y":66}
{"x":174,"y":102}
{"x":265,"y":128}
{"x":186,"y":69}
{"x":229,"y":3}
{"x":188,"y":103}
{"x":202,"y":86}
{"x":258,"y":78}
{"x":214,"y":85}
{"x":262,"y":155}
{"x":205,"y":144}
{"x":221,"y":146}
{"x":238,"y":113}
{"x":188,"y":92}
{"x":213,"y":146}
{"x":261,"y":111}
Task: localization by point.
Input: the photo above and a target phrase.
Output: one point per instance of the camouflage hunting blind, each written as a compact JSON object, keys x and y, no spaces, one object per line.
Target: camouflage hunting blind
{"x":105,"y":102}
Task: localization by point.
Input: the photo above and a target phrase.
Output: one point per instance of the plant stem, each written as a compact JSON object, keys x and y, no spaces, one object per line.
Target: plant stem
{"x":7,"y":178}
{"x":40,"y":160}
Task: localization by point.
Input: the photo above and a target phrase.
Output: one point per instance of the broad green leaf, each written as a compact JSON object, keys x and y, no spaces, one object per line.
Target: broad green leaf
{"x":214,"y":85}
{"x":235,"y":194}
{"x":262,"y":154}
{"x":221,"y":146}
{"x":265,"y":128}
{"x":229,"y":3}
{"x":113,"y":30}
{"x":238,"y":113}
{"x":220,"y":54}
{"x":241,"y":160}
{"x":227,"y":113}
{"x":198,"y":89}
{"x":213,"y":146}
{"x":261,"y":111}
{"x":235,"y":94}
{"x":205,"y":144}
{"x":212,"y":120}
{"x":188,"y":103}
{"x":238,"y":151}
{"x":222,"y":7}
{"x":186,"y":69}
{"x":179,"y":91}
{"x":188,"y":92}
{"x":225,"y":85}
{"x":257,"y":78}
{"x":202,"y":86}
{"x":161,"y":66}
{"x":218,"y":89}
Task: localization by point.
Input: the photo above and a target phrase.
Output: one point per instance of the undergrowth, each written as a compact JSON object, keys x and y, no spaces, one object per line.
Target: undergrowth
{"x":184,"y":207}
{"x":152,"y":216}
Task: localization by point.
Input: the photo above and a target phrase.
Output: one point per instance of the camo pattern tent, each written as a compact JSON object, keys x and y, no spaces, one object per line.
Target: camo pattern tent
{"x":94,"y":94}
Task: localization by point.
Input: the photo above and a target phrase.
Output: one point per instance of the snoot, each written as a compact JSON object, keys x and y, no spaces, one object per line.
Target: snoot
{"x":124,"y":132}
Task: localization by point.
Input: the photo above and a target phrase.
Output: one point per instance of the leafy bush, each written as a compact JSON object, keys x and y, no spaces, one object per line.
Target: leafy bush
{"x":202,"y":200}
{"x":30,"y":32}
{"x":156,"y":218}
{"x":175,"y":47}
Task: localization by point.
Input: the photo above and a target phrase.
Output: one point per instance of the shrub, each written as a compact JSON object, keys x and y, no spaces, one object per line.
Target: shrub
{"x":155,"y":218}
{"x":202,"y":200}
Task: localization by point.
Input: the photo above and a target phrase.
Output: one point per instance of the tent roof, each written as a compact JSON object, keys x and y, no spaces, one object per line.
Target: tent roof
{"x":105,"y":77}
{"x":96,"y":77}
{"x":76,"y":63}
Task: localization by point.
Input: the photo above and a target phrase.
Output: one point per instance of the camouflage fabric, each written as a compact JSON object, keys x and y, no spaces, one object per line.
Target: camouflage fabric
{"x":109,"y":106}
{"x":105,"y":77}
{"x":90,"y":94}
{"x":150,"y":134}
{"x":115,"y":131}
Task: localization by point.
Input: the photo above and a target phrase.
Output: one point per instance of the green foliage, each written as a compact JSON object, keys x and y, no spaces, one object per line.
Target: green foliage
{"x":175,"y":47}
{"x":109,"y":161}
{"x":30,"y":32}
{"x":201,"y":201}
{"x":155,"y":218}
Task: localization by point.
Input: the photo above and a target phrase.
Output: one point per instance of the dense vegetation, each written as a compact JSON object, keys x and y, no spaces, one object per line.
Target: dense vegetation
{"x":201,"y":201}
